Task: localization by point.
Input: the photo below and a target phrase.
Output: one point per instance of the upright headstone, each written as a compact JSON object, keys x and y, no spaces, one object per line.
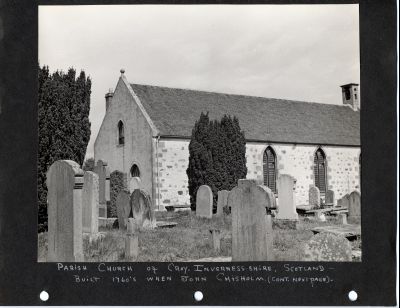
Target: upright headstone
{"x":142,"y":209}
{"x":354,"y":206}
{"x":287,"y":200}
{"x":270,"y":238}
{"x":135,"y":183}
{"x":222,"y":201}
{"x":131,"y":241}
{"x":100,"y":169}
{"x":330,"y":197}
{"x":90,"y":203}
{"x":204,"y":201}
{"x":326,"y":247}
{"x":123,"y":208}
{"x":342,"y":218}
{"x":314,"y":197}
{"x":270,"y":197}
{"x":249,"y":228}
{"x":64,"y":182}
{"x":344,"y":201}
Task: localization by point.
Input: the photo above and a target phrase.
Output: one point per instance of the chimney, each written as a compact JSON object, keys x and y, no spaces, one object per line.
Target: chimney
{"x":351,"y":95}
{"x":109,"y":97}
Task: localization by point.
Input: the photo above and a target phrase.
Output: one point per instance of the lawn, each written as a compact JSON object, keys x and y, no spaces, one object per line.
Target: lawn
{"x":189,"y":240}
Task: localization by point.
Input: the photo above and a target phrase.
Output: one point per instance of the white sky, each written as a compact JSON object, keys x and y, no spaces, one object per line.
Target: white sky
{"x":299,"y":52}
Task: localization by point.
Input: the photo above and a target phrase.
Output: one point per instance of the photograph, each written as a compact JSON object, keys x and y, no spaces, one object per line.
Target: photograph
{"x":199,"y":133}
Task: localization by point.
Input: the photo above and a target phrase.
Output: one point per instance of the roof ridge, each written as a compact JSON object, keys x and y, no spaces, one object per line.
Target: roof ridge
{"x":236,"y":95}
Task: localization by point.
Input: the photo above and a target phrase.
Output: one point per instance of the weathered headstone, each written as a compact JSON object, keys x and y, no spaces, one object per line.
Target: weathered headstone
{"x":270,"y":238}
{"x":142,"y":209}
{"x":354,"y":206}
{"x":123,"y":208}
{"x":314,"y":196}
{"x":222,"y":201}
{"x":286,"y":195}
{"x":344,"y":201}
{"x":270,"y":197}
{"x":249,"y":228}
{"x":101,"y":170}
{"x":204,"y":201}
{"x":330,"y":197}
{"x":131,"y":241}
{"x":327,"y":247}
{"x":90,"y":203}
{"x":135,"y":183}
{"x":64,"y":182}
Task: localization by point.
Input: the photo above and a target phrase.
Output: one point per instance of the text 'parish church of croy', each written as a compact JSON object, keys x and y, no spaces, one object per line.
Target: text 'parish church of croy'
{"x":146,"y":133}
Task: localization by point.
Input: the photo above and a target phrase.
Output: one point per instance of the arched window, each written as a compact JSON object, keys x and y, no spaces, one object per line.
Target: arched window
{"x":269,"y":168}
{"x":320,"y":171}
{"x":135,"y":172}
{"x":121,"y":138}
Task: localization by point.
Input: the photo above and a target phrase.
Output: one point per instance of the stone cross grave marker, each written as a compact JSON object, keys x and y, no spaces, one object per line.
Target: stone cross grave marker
{"x":249,"y":222}
{"x":286,"y":196}
{"x":101,"y":171}
{"x":131,"y":241}
{"x":314,"y":197}
{"x":64,"y":182}
{"x":134,"y":183}
{"x":354,"y":206}
{"x":142,"y":209}
{"x":326,"y":247}
{"x":204,"y":202}
{"x":222,"y":201}
{"x":123,"y":208}
{"x":330,"y":197}
{"x":90,"y":203}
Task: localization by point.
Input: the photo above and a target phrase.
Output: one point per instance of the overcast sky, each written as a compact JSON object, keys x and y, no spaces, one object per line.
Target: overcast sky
{"x":299,"y":52}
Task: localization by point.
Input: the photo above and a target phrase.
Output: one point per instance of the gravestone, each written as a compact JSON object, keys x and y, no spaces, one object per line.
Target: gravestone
{"x":222,"y":201}
{"x":314,"y":197}
{"x":342,"y":218}
{"x":216,"y":239}
{"x":135,"y":183}
{"x":270,"y":238}
{"x":330,"y":197}
{"x":142,"y":209}
{"x":270,"y":197}
{"x":249,"y":227}
{"x":123,"y":208}
{"x":344,"y":201}
{"x":204,"y":202}
{"x":131,"y":241}
{"x":64,"y":181}
{"x":90,"y":203}
{"x":326,"y":247}
{"x":354,"y":206}
{"x":101,"y":170}
{"x":287,"y":200}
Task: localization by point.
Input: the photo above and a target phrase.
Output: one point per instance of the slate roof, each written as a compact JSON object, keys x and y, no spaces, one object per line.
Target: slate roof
{"x":174,"y":112}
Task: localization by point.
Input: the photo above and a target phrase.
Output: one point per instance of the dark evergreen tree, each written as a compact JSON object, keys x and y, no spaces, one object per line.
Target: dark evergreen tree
{"x":217,"y":156}
{"x":64,"y":127}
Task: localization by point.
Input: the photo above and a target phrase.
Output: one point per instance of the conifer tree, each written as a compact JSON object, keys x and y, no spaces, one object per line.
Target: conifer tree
{"x":217,"y":156}
{"x":64,"y":127}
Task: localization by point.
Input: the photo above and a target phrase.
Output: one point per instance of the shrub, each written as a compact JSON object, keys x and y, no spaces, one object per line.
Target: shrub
{"x":117,"y":183}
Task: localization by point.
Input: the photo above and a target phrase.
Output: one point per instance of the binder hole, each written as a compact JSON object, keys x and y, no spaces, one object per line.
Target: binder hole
{"x":44,"y":296}
{"x":198,"y":296}
{"x":353,"y":295}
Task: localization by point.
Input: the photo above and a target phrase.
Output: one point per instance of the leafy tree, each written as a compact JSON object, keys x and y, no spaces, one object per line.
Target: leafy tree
{"x":64,"y":127}
{"x":88,"y":165}
{"x":217,"y":155}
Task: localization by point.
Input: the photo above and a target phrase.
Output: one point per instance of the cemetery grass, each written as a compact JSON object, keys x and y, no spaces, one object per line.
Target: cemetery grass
{"x":190,"y":240}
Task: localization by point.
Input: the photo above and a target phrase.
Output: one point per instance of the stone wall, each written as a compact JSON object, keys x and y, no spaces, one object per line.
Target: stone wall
{"x":298,"y":160}
{"x":138,"y":138}
{"x":172,"y":161}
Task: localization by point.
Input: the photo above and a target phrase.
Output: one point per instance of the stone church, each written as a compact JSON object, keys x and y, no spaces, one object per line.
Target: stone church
{"x":146,"y":132}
